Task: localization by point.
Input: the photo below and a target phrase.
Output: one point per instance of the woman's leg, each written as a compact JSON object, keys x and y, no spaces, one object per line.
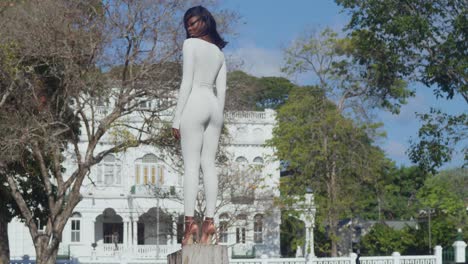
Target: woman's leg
{"x":210,"y":175}
{"x":191,"y":141}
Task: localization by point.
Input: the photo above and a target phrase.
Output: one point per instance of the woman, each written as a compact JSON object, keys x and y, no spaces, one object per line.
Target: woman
{"x":198,"y":117}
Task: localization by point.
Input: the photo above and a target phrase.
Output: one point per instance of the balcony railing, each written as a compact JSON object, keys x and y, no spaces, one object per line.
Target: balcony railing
{"x":137,"y":251}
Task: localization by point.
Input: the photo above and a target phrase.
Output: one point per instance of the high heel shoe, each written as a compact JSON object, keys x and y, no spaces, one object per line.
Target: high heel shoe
{"x":208,"y":230}
{"x":191,"y":231}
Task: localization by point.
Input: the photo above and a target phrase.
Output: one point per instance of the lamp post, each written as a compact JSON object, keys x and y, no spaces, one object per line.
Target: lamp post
{"x":307,"y":215}
{"x":429,"y":229}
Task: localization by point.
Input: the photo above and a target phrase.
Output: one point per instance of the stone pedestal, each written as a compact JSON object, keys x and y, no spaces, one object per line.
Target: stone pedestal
{"x":200,"y":254}
{"x":459,"y":250}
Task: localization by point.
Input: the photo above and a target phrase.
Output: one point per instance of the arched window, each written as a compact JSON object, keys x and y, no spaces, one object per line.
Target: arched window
{"x":149,"y":170}
{"x":241,"y":160}
{"x":258,"y":229}
{"x":109,"y":171}
{"x":258,"y":160}
{"x":75,"y":227}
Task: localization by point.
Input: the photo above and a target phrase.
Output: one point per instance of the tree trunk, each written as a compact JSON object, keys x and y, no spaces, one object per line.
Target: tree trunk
{"x":4,"y":244}
{"x":46,"y":255}
{"x":333,"y":211}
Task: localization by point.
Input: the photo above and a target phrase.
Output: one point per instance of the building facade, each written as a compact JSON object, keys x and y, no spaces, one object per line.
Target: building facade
{"x":132,"y":204}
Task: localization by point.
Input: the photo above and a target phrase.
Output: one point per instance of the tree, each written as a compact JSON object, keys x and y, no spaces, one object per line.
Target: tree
{"x":444,"y":196}
{"x":441,"y":197}
{"x":438,"y":137}
{"x":256,"y":93}
{"x":34,"y":197}
{"x":331,"y":61}
{"x":383,"y":240}
{"x":424,"y":42}
{"x":62,"y":52}
{"x":325,"y":151}
{"x":355,"y":89}
{"x":395,"y":190}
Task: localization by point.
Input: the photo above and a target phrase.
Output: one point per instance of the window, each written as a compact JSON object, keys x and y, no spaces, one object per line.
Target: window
{"x":241,"y":227}
{"x":240,"y":235}
{"x":144,"y":104}
{"x":41,"y":225}
{"x":241,"y":160}
{"x":75,"y":227}
{"x":223,"y":228}
{"x":258,"y":160}
{"x":258,"y":229}
{"x":149,"y":171}
{"x":109,"y":171}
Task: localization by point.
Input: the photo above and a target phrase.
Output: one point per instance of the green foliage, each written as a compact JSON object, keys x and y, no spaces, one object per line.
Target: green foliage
{"x":327,"y":152}
{"x":383,"y":240}
{"x":439,"y":207}
{"x":446,"y":196}
{"x":336,"y":63}
{"x":32,"y":190}
{"x":292,"y":232}
{"x":397,"y":190}
{"x":422,"y":41}
{"x":273,"y":92}
{"x":438,"y":136}
{"x":425,"y":40}
{"x":256,"y":94}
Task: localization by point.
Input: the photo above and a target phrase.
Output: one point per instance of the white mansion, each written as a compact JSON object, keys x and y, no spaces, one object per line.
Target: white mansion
{"x":131,"y":207}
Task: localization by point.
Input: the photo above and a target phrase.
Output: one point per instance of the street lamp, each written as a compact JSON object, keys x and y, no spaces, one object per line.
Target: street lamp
{"x":307,"y":215}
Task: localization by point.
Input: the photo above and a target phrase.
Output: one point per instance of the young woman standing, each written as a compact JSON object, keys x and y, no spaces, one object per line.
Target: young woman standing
{"x":198,"y":117}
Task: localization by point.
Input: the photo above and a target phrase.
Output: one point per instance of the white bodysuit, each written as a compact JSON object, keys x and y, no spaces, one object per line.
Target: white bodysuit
{"x":199,"y":116}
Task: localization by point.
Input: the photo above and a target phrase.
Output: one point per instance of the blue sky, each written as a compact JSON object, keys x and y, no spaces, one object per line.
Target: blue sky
{"x":269,"y":25}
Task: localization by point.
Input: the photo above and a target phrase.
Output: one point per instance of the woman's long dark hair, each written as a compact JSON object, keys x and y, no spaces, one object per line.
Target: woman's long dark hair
{"x":210,"y":24}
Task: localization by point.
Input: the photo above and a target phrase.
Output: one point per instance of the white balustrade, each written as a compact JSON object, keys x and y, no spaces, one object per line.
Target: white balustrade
{"x":109,"y":249}
{"x":418,"y":260}
{"x":150,"y":251}
{"x":144,"y":253}
{"x":376,"y":260}
{"x":286,"y":261}
{"x":337,"y":260}
{"x":403,"y":260}
{"x":253,"y":115}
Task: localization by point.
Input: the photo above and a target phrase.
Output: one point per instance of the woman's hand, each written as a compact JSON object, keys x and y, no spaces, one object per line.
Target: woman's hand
{"x":176,"y":133}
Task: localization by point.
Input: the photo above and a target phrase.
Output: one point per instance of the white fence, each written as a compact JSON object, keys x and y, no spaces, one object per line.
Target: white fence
{"x":146,"y":255}
{"x":394,"y":259}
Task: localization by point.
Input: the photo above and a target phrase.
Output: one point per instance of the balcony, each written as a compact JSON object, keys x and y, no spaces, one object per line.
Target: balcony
{"x":111,"y":251}
{"x":153,"y":190}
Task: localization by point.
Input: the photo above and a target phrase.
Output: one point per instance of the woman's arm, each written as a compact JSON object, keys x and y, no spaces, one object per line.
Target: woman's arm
{"x":187,"y":79}
{"x":221,"y":86}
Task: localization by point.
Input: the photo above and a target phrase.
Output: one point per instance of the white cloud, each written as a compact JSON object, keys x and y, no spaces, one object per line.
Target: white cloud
{"x":258,"y":61}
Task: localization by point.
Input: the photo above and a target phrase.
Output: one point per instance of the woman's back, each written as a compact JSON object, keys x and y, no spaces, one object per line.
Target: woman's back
{"x":204,"y":66}
{"x":207,"y":60}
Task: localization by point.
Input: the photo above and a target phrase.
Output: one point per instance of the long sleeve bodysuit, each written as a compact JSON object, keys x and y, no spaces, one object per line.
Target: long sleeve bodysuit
{"x":199,"y":116}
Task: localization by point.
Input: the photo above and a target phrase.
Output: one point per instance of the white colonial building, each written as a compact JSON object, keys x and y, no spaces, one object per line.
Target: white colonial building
{"x":132,"y":209}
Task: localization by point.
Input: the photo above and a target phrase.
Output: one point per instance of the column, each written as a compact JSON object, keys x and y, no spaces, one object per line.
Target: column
{"x":312,"y":250}
{"x":174,"y":228}
{"x":438,"y":254}
{"x":93,"y":239}
{"x":135,"y":234}
{"x":307,"y":249}
{"x":125,"y":233}
{"x":396,"y":257}
{"x":93,"y":230}
{"x":459,"y":247}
